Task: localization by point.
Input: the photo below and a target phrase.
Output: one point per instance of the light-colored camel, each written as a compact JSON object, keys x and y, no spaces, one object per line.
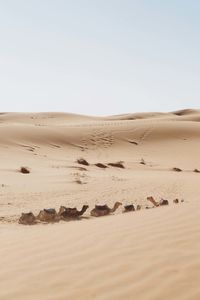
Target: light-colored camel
{"x":48,"y":215}
{"x":67,"y":212}
{"x":27,"y":219}
{"x":103,"y":210}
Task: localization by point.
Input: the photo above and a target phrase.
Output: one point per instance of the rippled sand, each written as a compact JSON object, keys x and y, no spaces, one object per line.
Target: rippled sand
{"x":148,"y":254}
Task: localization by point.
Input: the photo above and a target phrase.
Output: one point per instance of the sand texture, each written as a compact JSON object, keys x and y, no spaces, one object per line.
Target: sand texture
{"x":150,"y":254}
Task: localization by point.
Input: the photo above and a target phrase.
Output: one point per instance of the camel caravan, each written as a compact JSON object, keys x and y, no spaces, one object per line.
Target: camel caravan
{"x":67,"y":213}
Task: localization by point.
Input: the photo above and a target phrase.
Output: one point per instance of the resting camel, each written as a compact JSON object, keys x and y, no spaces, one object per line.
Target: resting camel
{"x":27,"y":219}
{"x":67,"y":212}
{"x":163,"y":202}
{"x":48,"y":215}
{"x":128,"y":208}
{"x":103,"y":210}
{"x":153,"y":201}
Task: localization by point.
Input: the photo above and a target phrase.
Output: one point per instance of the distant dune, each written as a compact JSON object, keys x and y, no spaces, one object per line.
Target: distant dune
{"x":150,"y":254}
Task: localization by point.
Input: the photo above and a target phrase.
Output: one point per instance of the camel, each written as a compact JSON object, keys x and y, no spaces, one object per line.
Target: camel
{"x":160,"y":203}
{"x":103,"y":210}
{"x":128,"y":208}
{"x":48,"y":215}
{"x":163,"y":202}
{"x":67,"y":212}
{"x":27,"y":219}
{"x":153,"y":201}
{"x":138,"y":207}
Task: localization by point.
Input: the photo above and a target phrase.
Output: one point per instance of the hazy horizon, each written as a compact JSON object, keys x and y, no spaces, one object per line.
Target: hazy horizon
{"x":92,"y":115}
{"x":99,"y":57}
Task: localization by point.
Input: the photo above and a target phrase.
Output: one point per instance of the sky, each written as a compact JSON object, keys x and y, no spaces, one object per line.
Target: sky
{"x":99,"y":57}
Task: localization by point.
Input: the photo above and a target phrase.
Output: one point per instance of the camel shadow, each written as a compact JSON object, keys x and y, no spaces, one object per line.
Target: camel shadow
{"x":74,"y":219}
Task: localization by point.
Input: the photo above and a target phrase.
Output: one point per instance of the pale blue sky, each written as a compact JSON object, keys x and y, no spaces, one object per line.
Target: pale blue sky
{"x":99,"y":57}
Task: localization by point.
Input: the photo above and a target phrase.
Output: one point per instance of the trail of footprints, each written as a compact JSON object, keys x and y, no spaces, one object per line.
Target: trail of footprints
{"x":97,"y":140}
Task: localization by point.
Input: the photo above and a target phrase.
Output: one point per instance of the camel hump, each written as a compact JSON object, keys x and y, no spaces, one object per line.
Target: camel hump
{"x":101,"y":207}
{"x":72,"y":208}
{"x":30,"y":214}
{"x":50,"y":211}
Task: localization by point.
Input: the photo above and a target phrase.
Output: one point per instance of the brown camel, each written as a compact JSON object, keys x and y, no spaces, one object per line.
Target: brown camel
{"x":103,"y":210}
{"x":27,"y":219}
{"x":163,"y":202}
{"x":67,"y":212}
{"x":153,"y":201}
{"x":160,"y":203}
{"x":128,"y":208}
{"x":48,"y":215}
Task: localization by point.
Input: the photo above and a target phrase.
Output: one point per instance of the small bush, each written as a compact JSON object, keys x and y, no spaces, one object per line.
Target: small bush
{"x":176,"y":201}
{"x":82,"y":161}
{"x":142,"y":162}
{"x":118,"y":164}
{"x":24,"y":170}
{"x":132,"y":142}
{"x":78,"y":181}
{"x":100,"y":165}
{"x":177,"y":169}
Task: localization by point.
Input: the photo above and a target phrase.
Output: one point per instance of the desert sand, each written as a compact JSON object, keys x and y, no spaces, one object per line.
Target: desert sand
{"x":150,"y":254}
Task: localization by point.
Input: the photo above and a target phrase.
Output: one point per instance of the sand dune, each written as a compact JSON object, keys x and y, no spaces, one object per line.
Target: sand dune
{"x":149,"y":254}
